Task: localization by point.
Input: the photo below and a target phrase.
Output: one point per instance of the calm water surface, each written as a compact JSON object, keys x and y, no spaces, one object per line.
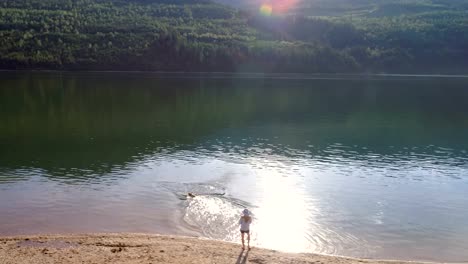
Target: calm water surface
{"x":374,"y":167}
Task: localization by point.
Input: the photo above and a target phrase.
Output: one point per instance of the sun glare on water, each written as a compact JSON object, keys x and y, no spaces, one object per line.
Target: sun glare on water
{"x":283,"y":213}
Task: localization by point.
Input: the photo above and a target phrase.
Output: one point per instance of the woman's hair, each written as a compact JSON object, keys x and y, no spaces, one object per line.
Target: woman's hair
{"x":247,"y":218}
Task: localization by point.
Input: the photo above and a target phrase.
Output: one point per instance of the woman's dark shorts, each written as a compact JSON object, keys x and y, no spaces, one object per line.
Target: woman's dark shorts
{"x":246,"y":232}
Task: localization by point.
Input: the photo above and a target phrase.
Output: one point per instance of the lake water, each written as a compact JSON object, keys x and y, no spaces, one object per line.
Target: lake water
{"x":373,"y":167}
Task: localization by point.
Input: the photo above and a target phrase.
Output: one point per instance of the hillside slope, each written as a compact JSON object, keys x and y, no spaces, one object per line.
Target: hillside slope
{"x":198,"y":35}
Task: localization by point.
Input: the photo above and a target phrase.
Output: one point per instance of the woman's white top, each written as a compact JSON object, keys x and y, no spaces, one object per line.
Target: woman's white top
{"x":245,"y":225}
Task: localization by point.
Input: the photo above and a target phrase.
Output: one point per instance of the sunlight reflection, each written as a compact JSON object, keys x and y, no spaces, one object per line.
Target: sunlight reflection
{"x":283,"y":212}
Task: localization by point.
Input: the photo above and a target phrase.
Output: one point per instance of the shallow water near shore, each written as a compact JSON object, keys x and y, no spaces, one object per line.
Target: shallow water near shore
{"x":363,"y":167}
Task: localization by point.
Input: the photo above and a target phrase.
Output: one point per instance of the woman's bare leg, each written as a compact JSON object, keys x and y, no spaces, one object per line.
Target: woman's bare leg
{"x":248,"y":240}
{"x":243,"y":247}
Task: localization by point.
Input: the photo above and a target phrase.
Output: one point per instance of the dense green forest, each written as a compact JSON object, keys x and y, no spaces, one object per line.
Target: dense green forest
{"x":396,"y":36}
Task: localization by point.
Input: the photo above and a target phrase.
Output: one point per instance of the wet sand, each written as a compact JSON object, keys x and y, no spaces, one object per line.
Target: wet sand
{"x":143,"y":248}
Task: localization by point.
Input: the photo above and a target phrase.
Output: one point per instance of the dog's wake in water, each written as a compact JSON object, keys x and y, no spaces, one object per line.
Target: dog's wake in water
{"x":190,"y":190}
{"x":209,"y":209}
{"x":216,"y":216}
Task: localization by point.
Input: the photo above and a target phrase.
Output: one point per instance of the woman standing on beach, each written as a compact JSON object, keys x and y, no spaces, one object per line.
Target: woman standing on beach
{"x":244,"y":223}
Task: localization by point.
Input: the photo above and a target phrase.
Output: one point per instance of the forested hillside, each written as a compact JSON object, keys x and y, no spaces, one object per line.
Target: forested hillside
{"x":394,"y":36}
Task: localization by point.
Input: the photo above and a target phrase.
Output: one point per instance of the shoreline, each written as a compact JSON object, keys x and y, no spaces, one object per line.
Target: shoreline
{"x":273,"y":75}
{"x":149,"y":248}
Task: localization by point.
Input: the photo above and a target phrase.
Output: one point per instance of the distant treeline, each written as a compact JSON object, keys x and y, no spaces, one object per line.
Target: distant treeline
{"x":198,"y":35}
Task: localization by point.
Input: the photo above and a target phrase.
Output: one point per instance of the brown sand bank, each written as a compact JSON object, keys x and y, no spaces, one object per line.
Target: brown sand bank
{"x":140,"y":248}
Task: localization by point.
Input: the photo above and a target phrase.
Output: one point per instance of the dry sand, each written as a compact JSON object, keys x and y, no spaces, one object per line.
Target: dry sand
{"x":142,"y":248}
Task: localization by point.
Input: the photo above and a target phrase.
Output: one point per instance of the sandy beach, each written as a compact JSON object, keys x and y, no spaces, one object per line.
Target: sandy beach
{"x":143,"y":248}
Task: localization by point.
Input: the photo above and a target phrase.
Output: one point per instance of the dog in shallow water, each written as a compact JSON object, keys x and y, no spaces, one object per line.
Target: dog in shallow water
{"x":191,"y":195}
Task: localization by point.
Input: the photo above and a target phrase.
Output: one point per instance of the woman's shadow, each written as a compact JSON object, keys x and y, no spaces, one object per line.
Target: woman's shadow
{"x":242,"y":260}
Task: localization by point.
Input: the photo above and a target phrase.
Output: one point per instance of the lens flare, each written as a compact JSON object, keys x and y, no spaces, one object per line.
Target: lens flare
{"x":283,"y":6}
{"x":277,"y":7}
{"x":266,"y":9}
